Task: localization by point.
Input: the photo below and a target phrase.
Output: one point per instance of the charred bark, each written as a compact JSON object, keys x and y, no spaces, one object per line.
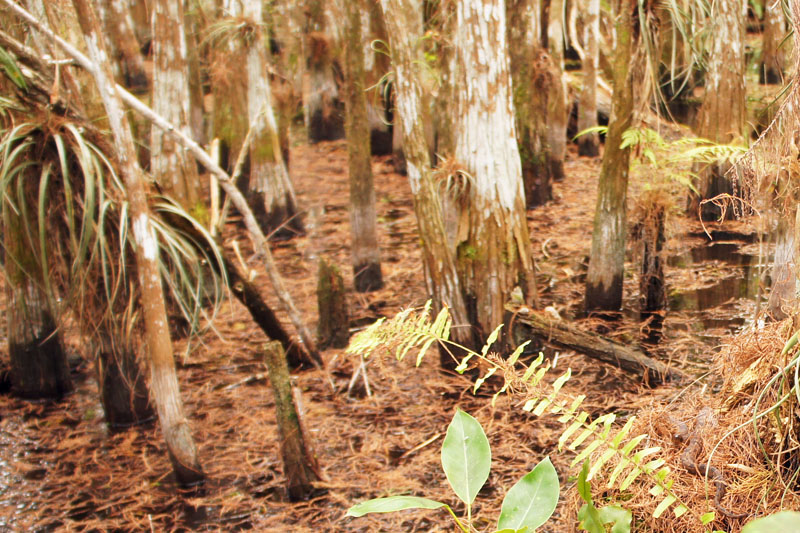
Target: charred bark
{"x":123,"y":391}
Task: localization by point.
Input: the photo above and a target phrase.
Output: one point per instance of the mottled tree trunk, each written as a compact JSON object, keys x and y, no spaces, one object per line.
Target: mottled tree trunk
{"x":607,"y":262}
{"x":773,"y":55}
{"x":557,"y":97}
{"x":589,"y":144}
{"x":652,"y":287}
{"x":170,"y":165}
{"x":364,"y":249}
{"x":723,"y":114}
{"x":299,"y":463}
{"x":404,"y":27}
{"x":125,"y":48}
{"x":534,"y":78}
{"x":270,"y":192}
{"x":376,"y":65}
{"x":197,"y":118}
{"x":163,"y":378}
{"x":334,"y":319}
{"x":495,"y":257}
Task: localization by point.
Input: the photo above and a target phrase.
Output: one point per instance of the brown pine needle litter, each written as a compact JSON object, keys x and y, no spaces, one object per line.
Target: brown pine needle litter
{"x":61,"y":470}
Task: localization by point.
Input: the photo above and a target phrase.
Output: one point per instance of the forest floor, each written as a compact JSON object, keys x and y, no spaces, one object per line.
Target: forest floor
{"x":61,"y":469}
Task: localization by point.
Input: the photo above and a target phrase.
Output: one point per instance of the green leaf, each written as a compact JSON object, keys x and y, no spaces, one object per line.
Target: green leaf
{"x":392,"y":504}
{"x":12,"y":70}
{"x":783,"y":521}
{"x":708,"y":518}
{"x":532,"y":500}
{"x":619,"y":517}
{"x":589,"y":519}
{"x":466,"y":456}
{"x":584,"y":488}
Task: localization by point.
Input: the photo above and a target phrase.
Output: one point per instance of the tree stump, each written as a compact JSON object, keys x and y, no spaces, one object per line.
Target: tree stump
{"x":299,"y":463}
{"x":334,"y":329}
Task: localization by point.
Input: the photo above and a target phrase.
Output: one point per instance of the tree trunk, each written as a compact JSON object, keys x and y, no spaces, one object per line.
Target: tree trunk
{"x":652,"y":287}
{"x":773,"y":55}
{"x":170,"y":165}
{"x":563,"y":335}
{"x":123,"y":391}
{"x":376,"y":65}
{"x":557,"y":97}
{"x":404,"y":27}
{"x":723,"y":114}
{"x":163,"y":378}
{"x":334,"y":320}
{"x":299,"y":463}
{"x":125,"y":47}
{"x":494,"y":252}
{"x":589,"y":144}
{"x":270,"y":192}
{"x":783,"y":294}
{"x":39,"y":367}
{"x":323,"y":109}
{"x":533,"y":78}
{"x":607,"y":262}
{"x":364,"y":249}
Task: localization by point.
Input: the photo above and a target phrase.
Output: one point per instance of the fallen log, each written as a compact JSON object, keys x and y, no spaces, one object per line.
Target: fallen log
{"x":559,"y":333}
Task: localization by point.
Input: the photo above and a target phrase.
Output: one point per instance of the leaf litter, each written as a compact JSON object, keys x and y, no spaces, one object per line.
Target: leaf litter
{"x":62,"y":470}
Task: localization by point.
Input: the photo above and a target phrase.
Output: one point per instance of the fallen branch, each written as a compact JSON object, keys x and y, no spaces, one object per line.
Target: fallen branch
{"x":238,"y":200}
{"x":561,"y":334}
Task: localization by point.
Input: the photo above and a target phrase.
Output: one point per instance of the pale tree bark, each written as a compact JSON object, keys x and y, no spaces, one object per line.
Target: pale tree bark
{"x":589,"y":144}
{"x":124,"y":46}
{"x":494,"y":257}
{"x":170,"y":165}
{"x":783,"y":293}
{"x":270,"y":192}
{"x":773,"y":55}
{"x":364,"y":249}
{"x":193,"y":30}
{"x":404,"y":26}
{"x":535,"y":80}
{"x":723,"y":114}
{"x":323,"y":109}
{"x":557,"y":100}
{"x":163,"y":378}
{"x":607,"y":261}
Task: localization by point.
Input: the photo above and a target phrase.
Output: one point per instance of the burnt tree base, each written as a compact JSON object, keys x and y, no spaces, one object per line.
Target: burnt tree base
{"x":604,"y":298}
{"x":39,"y":369}
{"x":334,"y":325}
{"x":367,"y":277}
{"x":565,"y":336}
{"x":123,"y":391}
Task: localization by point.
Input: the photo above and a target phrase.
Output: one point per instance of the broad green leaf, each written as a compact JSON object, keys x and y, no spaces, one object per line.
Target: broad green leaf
{"x":509,"y":530}
{"x":784,"y":521}
{"x":466,"y":456}
{"x":589,"y":519}
{"x":619,"y":517}
{"x":392,"y":504}
{"x":664,"y":505}
{"x":532,"y":500}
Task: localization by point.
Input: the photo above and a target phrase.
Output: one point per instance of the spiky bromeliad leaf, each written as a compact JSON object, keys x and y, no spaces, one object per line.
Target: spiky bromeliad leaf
{"x":466,"y":456}
{"x":531,"y":502}
{"x":11,"y":69}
